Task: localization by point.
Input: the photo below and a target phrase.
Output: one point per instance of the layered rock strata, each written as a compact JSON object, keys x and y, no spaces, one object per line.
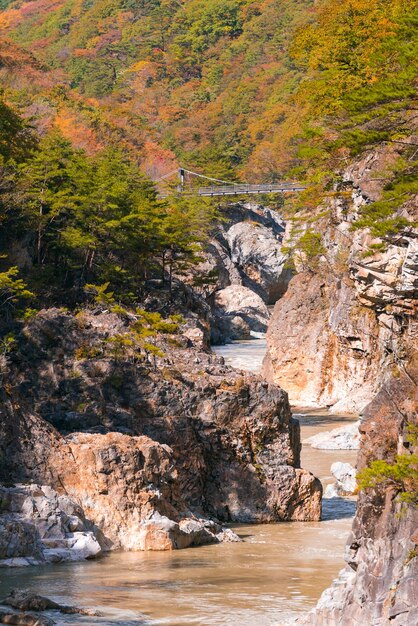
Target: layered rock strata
{"x":345,"y":335}
{"x":379,"y":584}
{"x":157,"y":456}
{"x":341,"y":325}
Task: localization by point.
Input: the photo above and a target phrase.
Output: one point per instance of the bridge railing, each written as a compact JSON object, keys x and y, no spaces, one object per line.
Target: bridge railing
{"x":228,"y":190}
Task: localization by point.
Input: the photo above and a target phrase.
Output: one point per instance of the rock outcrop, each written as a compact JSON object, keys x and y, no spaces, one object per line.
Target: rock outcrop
{"x":345,"y":480}
{"x":240,"y":311}
{"x":345,"y":335}
{"x":322,"y":346}
{"x":155,"y":455}
{"x":256,"y":252}
{"x":379,"y":584}
{"x":251,"y":270}
{"x":26,"y":609}
{"x":342,"y":438}
{"x":39,"y":526}
{"x":341,"y":324}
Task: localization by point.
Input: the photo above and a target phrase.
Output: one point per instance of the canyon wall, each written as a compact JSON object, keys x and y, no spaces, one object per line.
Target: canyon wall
{"x":345,"y":335}
{"x":379,"y":584}
{"x":248,"y":270}
{"x":343,"y":323}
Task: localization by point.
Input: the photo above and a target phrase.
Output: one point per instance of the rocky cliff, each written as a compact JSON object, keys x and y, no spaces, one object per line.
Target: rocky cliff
{"x":341,"y":325}
{"x":345,"y":335}
{"x":250,"y":272}
{"x":379,"y":584}
{"x":155,"y":455}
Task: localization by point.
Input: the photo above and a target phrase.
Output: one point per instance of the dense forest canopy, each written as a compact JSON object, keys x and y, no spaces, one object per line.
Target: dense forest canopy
{"x":101,"y":97}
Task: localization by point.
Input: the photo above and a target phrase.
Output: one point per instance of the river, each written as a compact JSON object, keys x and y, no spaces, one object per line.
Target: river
{"x":277,"y":572}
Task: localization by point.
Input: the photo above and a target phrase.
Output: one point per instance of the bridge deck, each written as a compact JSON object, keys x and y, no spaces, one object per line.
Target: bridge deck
{"x":235,"y":190}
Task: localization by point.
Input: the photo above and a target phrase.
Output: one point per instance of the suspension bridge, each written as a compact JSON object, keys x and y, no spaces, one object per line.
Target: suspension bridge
{"x":219,"y":187}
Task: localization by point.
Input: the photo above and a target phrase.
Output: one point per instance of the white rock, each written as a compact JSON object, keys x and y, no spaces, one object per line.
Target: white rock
{"x":342,"y":438}
{"x":83,"y":545}
{"x":38,"y":525}
{"x":257,"y":251}
{"x":240,"y":301}
{"x":345,"y":484}
{"x":331,"y":492}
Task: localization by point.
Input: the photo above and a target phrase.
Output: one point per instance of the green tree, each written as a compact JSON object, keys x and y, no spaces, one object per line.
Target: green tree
{"x":13,"y":290}
{"x":49,"y":182}
{"x":186,"y":227}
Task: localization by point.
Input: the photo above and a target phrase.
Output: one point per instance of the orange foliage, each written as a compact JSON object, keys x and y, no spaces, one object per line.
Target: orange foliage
{"x":80,"y":135}
{"x":157,"y":161}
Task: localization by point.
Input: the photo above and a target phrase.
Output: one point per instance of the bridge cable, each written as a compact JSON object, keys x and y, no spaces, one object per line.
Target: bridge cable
{"x":216,"y":180}
{"x":166,"y":176}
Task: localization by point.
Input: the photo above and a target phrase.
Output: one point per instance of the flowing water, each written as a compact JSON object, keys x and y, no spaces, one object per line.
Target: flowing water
{"x":275,"y":573}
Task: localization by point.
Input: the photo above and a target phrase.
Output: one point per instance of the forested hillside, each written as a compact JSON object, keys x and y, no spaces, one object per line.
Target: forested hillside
{"x":100,"y":97}
{"x":254,"y":90}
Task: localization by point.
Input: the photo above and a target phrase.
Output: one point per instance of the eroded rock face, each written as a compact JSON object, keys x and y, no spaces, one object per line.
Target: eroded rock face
{"x":342,"y":438}
{"x":379,"y":584}
{"x":345,"y":335}
{"x":322,"y":346}
{"x":240,"y":311}
{"x":150,"y":453}
{"x":256,"y":251}
{"x":246,"y":255}
{"x":341,"y":325}
{"x":40,"y":526}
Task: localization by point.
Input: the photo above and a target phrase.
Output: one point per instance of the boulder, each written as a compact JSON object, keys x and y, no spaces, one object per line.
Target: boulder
{"x":24,"y":619}
{"x":146,"y":453}
{"x":20,"y":542}
{"x":346,"y":484}
{"x":238,"y":311}
{"x":161,"y":533}
{"x":256,"y":251}
{"x":27,"y":601}
{"x":37,"y":525}
{"x":342,"y":438}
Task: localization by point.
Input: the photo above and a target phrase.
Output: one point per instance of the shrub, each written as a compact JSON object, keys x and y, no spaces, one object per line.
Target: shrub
{"x":401,"y":474}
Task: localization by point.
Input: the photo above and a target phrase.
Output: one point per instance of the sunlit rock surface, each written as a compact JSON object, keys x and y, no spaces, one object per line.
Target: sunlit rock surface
{"x":39,"y":526}
{"x":157,"y":456}
{"x":249,"y":270}
{"x":342,"y":324}
{"x":345,"y":437}
{"x":345,"y":483}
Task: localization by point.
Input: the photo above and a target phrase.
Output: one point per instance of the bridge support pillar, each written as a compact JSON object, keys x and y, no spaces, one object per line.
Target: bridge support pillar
{"x":180,"y":187}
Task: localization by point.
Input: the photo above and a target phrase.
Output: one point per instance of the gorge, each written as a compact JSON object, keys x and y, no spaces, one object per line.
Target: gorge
{"x":87,"y":393}
{"x":172,"y":360}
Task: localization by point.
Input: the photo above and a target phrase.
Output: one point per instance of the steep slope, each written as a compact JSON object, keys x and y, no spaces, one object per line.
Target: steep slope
{"x":350,"y":318}
{"x":196,"y":76}
{"x":379,"y":584}
{"x":248,"y":88}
